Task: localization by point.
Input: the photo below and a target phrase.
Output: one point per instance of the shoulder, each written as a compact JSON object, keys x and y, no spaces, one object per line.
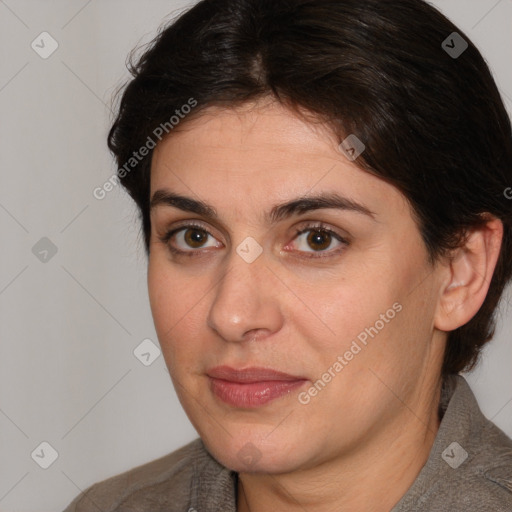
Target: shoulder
{"x":162,"y":484}
{"x":477,"y":471}
{"x":470,"y":463}
{"x":483,"y":484}
{"x":491,"y":466}
{"x":490,"y":459}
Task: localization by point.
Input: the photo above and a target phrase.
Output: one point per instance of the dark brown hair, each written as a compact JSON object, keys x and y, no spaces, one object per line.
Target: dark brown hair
{"x":433,"y":122}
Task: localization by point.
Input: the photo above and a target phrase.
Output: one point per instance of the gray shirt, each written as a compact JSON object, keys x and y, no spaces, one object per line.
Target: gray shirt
{"x":469,"y":469}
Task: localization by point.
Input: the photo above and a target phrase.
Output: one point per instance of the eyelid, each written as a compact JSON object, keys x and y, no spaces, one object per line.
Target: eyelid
{"x":320,"y":226}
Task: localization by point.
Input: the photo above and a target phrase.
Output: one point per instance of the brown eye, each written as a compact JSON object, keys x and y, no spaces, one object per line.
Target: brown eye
{"x":188,"y":239}
{"x":319,"y":240}
{"x":194,"y":237}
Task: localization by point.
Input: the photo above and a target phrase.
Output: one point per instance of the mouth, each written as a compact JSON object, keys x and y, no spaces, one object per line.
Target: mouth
{"x":252,"y":387}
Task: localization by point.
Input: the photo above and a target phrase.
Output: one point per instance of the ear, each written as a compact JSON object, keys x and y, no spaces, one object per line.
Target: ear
{"x":468,"y":275}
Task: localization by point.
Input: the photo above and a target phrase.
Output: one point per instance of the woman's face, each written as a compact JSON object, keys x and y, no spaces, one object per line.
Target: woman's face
{"x":346,"y":308}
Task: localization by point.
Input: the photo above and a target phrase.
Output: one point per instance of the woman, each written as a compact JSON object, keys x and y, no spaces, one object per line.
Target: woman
{"x":322,"y":188}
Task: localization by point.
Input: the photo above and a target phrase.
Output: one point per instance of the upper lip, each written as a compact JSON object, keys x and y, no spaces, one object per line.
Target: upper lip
{"x":251,"y":374}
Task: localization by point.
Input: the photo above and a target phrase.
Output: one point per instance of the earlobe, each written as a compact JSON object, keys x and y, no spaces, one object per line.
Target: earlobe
{"x":468,"y":275}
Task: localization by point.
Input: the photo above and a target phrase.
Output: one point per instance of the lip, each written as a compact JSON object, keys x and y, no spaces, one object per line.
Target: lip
{"x":252,"y":387}
{"x":251,"y":374}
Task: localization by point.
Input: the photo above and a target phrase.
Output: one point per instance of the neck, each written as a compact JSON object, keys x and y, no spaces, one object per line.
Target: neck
{"x":370,"y":479}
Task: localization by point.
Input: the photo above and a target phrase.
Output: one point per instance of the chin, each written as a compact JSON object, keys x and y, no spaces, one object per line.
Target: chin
{"x":256,"y":454}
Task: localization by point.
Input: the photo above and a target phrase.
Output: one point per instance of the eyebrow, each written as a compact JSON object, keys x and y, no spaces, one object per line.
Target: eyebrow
{"x":299,"y":206}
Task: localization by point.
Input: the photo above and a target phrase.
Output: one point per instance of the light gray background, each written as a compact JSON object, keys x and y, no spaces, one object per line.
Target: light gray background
{"x":69,"y":326}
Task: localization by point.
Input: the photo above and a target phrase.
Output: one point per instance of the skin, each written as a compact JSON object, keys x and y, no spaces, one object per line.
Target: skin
{"x":358,"y":444}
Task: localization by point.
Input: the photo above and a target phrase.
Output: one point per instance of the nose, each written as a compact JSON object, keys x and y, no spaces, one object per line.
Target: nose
{"x":246,"y":305}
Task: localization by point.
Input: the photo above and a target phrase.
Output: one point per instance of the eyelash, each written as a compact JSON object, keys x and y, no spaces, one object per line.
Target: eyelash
{"x":309,"y":227}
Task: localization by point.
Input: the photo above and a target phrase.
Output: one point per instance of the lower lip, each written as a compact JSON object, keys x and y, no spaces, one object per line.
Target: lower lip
{"x":250,"y":395}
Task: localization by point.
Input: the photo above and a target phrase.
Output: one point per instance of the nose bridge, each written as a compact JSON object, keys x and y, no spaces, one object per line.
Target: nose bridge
{"x":244,"y":300}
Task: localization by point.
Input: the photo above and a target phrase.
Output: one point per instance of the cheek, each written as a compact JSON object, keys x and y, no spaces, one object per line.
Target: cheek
{"x":160,"y":298}
{"x":180,"y":302}
{"x":174,"y":301}
{"x":173,"y":293}
{"x":350,"y":305}
{"x":370,"y":317}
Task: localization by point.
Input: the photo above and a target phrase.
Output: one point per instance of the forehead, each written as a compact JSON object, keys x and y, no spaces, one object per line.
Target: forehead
{"x":260,"y":151}
{"x":253,"y":126}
